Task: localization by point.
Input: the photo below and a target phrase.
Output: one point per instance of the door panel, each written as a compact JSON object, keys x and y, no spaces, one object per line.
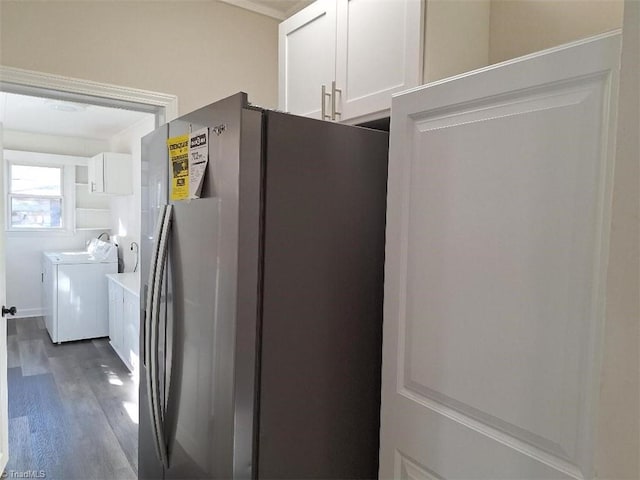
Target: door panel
{"x":499,"y":198}
{"x":307,"y":43}
{"x":155,"y":165}
{"x":193,"y":408}
{"x":322,"y":299}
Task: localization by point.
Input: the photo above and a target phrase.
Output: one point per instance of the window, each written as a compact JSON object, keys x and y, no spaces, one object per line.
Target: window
{"x":35,"y":199}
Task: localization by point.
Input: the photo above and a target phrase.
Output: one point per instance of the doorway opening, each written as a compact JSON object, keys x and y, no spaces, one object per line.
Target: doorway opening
{"x":72,"y":406}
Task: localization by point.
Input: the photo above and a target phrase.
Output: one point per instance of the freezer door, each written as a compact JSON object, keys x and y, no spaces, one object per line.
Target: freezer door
{"x":323,"y":268}
{"x":195,"y":402}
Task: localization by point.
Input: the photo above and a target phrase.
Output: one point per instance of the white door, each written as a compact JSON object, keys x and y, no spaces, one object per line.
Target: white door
{"x":379,"y":53}
{"x":4,"y":412}
{"x":498,"y":220}
{"x":307,"y":59}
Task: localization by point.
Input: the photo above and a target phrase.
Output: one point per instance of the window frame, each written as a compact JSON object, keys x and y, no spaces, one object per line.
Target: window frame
{"x":68,"y":165}
{"x":11,"y":196}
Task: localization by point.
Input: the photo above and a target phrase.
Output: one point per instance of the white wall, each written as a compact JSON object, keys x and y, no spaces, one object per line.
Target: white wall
{"x":125,"y":209}
{"x":24,"y":249}
{"x":200,"y":51}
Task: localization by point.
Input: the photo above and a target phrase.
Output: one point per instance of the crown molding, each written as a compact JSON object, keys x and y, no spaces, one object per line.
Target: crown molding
{"x":257,"y":8}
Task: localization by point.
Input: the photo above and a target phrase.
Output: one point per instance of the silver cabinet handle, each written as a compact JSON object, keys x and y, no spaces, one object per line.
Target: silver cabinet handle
{"x":93,"y":186}
{"x":334,"y":90}
{"x":324,"y":107}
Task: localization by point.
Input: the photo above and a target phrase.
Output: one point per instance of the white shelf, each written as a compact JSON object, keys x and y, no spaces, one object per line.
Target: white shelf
{"x":91,"y":209}
{"x":93,"y":218}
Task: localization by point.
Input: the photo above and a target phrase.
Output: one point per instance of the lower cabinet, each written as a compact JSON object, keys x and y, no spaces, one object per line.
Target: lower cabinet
{"x":124,"y":324}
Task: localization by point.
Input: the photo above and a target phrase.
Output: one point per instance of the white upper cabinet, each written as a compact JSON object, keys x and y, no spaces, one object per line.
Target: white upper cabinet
{"x":379,"y":53}
{"x":110,"y":173}
{"x":307,"y":43}
{"x":360,"y":51}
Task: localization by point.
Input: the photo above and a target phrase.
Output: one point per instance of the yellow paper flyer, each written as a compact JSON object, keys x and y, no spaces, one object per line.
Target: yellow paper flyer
{"x":179,"y":167}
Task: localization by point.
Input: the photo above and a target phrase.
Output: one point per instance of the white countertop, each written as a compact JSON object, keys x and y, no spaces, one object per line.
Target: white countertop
{"x":129,"y":281}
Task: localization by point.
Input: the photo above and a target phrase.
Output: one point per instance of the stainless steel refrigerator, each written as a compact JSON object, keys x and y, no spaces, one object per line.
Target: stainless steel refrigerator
{"x":262,"y":300}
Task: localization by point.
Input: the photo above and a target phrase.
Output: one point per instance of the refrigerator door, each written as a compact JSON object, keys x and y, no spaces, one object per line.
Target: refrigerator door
{"x":155,"y":170}
{"x":192,"y":411}
{"x":322,"y":298}
{"x":209,"y":306}
{"x":212,"y":450}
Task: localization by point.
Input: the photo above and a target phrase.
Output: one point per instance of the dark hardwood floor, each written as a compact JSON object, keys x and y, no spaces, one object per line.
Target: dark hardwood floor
{"x":72,"y":407}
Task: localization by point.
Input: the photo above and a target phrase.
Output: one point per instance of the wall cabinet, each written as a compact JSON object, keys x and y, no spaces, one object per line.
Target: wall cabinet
{"x":343,"y":59}
{"x":110,"y":173}
{"x":124,"y":318}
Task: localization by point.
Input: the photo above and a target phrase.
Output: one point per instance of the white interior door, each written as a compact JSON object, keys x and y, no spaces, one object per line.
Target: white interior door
{"x":497,"y":230}
{"x":4,"y":412}
{"x":307,"y":59}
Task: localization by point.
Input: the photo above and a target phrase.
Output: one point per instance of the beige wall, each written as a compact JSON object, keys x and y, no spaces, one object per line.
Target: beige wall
{"x":462,"y":35}
{"x":618,"y":447}
{"x":519,"y":27}
{"x":456,"y":37}
{"x":198,"y":50}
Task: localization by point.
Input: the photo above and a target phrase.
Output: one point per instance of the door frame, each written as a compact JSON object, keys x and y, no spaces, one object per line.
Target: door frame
{"x":27,"y":82}
{"x":4,"y":364}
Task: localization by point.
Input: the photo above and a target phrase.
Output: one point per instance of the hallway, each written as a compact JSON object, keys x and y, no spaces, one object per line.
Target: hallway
{"x":72,"y":407}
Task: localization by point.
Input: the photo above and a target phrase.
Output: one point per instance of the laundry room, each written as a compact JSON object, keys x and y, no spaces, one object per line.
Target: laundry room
{"x":72,"y":179}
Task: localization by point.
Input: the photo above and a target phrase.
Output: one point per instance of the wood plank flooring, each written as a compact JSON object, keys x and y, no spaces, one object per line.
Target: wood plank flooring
{"x":72,"y":407}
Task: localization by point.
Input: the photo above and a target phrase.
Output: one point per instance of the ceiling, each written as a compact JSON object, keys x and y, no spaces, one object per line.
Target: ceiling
{"x":279,"y":9}
{"x":69,"y":119}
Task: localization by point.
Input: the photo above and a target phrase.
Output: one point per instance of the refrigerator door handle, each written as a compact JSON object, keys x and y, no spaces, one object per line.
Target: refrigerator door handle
{"x":148,"y":312}
{"x":149,"y":318}
{"x":155,"y":397}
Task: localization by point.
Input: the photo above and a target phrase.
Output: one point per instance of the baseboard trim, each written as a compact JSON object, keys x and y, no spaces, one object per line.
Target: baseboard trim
{"x":29,"y":312}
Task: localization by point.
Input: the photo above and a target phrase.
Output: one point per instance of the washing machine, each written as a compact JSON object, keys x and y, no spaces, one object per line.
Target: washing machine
{"x":74,"y":290}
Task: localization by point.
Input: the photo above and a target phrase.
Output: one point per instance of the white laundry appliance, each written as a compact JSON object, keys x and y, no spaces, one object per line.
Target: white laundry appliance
{"x":74,"y":289}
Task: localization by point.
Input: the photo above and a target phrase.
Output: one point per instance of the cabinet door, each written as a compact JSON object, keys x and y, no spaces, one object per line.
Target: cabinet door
{"x":306,"y":58}
{"x":110,"y":173}
{"x":96,"y":173}
{"x":379,"y":53}
{"x":117,"y":173}
{"x":131,"y":331}
{"x":115,"y":315}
